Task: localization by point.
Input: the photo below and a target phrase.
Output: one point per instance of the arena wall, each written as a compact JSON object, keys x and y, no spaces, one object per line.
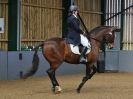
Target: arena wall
{"x":13,"y":62}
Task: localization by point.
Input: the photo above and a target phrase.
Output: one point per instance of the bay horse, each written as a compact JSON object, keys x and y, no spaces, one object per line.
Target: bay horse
{"x":56,"y":51}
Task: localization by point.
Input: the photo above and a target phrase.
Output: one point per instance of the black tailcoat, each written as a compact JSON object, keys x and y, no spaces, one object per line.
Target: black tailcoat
{"x":73,"y":30}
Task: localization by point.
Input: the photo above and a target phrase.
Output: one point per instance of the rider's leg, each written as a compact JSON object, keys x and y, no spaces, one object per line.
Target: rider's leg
{"x":86,"y":44}
{"x":83,"y":52}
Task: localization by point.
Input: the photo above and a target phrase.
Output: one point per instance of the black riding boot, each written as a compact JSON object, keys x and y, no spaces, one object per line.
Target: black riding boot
{"x":83,"y":52}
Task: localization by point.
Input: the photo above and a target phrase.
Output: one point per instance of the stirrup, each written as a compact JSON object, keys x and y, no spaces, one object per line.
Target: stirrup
{"x":83,"y":60}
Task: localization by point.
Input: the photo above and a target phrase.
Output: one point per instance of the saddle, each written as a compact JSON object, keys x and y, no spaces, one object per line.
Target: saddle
{"x":78,"y":49}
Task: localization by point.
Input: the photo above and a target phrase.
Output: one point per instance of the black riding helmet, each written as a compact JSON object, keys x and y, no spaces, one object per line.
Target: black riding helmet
{"x":73,"y":8}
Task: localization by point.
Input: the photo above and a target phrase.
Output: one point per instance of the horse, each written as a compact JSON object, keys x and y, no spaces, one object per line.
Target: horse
{"x":56,"y":51}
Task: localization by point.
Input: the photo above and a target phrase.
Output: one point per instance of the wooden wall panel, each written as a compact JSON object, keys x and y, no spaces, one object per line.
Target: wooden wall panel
{"x":4,"y":14}
{"x":90,"y":11}
{"x":41,"y":19}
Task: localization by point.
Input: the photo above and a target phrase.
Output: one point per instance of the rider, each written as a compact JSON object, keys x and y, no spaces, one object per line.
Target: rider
{"x":74,"y":34}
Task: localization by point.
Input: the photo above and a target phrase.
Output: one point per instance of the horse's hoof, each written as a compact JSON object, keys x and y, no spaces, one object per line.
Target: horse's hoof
{"x":78,"y":90}
{"x":57,"y":90}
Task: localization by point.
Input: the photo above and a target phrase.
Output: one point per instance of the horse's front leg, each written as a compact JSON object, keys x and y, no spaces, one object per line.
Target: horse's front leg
{"x":89,"y":75}
{"x":93,"y":72}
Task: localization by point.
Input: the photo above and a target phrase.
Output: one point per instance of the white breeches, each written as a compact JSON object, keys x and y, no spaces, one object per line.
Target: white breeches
{"x":84,"y":41}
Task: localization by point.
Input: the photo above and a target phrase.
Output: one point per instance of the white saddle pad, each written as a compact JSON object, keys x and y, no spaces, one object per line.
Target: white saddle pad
{"x":75,"y":49}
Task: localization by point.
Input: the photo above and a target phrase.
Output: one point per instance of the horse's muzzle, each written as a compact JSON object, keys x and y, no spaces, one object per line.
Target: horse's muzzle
{"x":110,"y":46}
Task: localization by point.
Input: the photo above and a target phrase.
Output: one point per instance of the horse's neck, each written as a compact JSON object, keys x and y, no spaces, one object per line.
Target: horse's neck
{"x":97,"y":39}
{"x":95,"y":46}
{"x":96,"y":43}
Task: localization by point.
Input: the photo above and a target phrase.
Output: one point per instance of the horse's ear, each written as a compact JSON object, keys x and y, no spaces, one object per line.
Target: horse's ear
{"x":115,"y":28}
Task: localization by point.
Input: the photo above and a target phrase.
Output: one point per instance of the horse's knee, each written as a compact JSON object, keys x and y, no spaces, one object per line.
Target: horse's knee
{"x":50,"y":71}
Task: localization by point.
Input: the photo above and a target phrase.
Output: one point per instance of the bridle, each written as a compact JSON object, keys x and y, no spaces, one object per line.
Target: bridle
{"x":101,"y":41}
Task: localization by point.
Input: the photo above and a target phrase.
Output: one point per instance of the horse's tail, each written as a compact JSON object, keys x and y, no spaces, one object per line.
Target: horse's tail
{"x":35,"y":64}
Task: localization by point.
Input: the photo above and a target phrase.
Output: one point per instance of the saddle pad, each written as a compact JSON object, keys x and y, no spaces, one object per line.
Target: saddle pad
{"x":75,"y":49}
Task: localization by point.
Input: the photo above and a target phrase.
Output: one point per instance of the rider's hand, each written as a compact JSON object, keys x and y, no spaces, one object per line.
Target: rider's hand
{"x":84,"y":33}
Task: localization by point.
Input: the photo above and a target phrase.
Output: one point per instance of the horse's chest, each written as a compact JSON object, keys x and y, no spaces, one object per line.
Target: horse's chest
{"x":92,"y":56}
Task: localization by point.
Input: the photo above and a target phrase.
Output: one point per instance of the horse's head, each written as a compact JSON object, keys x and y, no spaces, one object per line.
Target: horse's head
{"x":110,"y":37}
{"x":104,"y":33}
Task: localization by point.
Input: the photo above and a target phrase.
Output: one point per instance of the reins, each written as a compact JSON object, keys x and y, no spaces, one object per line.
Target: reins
{"x":88,"y":36}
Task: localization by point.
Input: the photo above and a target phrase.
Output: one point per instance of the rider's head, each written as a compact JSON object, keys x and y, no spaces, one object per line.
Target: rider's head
{"x":74,"y":9}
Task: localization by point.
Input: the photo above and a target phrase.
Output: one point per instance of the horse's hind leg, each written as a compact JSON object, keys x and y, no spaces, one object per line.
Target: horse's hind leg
{"x":89,"y":75}
{"x":51,"y":73}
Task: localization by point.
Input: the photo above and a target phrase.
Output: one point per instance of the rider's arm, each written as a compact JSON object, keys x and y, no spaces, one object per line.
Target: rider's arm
{"x":76,"y":26}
